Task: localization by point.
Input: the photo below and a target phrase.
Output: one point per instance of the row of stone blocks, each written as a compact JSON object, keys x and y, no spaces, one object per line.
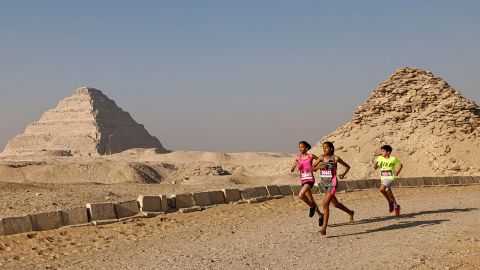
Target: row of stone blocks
{"x":108,"y":212}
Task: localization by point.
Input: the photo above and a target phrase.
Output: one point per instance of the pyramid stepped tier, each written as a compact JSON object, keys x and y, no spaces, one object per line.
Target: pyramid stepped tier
{"x":430,"y":125}
{"x":87,"y":123}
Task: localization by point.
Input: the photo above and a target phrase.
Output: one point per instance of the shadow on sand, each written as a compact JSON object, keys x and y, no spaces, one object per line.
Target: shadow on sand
{"x":403,"y":224}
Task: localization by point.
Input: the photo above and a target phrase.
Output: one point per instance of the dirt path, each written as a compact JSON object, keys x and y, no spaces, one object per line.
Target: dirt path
{"x":439,"y":229}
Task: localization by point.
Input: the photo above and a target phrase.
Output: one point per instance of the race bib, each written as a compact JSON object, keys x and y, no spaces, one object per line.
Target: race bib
{"x":306,"y":175}
{"x":386,"y":175}
{"x":326,"y":174}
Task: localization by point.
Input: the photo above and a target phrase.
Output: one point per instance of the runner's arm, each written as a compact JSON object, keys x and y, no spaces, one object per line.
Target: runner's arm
{"x":316,"y":165}
{"x":294,"y":165}
{"x":316,"y":162}
{"x":400,"y":167}
{"x":347,"y":167}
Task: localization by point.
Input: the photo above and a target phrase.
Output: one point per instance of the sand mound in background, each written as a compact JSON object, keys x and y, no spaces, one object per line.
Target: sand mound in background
{"x":72,"y":171}
{"x":142,"y":151}
{"x":146,"y":166}
{"x":54,"y":153}
{"x":431,"y":127}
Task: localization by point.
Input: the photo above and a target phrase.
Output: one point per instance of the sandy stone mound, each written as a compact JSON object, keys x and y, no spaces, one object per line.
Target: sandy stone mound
{"x":73,"y":170}
{"x":142,"y":151}
{"x":432,"y":128}
{"x":148,"y":166}
{"x":54,"y":153}
{"x":87,"y":123}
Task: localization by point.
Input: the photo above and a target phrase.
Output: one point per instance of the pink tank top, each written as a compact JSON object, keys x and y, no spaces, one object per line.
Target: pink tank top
{"x":305,"y":167}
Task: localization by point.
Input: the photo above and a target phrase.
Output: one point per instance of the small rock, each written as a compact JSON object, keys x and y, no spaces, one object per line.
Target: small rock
{"x":113,"y":194}
{"x":454,"y":167}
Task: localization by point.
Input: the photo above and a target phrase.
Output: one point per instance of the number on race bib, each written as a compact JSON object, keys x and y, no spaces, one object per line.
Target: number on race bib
{"x":306,"y":175}
{"x":326,"y":173}
{"x":386,"y":173}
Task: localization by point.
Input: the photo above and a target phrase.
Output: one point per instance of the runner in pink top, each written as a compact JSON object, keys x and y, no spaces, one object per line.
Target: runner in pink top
{"x":305,"y":167}
{"x":304,"y":162}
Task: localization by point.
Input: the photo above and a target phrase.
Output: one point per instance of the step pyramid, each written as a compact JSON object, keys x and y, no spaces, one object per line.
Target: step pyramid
{"x":432,"y":128}
{"x":86,"y":123}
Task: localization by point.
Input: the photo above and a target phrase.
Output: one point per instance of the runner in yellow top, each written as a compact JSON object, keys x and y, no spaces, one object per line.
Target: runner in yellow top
{"x":390,"y":167}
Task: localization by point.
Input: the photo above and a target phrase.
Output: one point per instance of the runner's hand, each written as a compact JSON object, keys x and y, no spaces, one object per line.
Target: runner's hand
{"x":342,"y":175}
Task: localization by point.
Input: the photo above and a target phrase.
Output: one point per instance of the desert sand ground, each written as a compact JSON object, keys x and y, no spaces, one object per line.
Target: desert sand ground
{"x":438,"y":229}
{"x":30,"y":184}
{"x":36,"y":184}
{"x":26,"y":198}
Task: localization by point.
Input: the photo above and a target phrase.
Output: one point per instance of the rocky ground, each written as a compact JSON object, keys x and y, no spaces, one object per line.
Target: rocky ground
{"x":432,"y":233}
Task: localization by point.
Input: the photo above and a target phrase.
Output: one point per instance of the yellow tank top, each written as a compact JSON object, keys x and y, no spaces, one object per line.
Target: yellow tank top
{"x":387,"y":167}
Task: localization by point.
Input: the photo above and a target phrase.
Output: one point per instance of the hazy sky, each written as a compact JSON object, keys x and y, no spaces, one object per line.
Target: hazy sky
{"x":228,"y":75}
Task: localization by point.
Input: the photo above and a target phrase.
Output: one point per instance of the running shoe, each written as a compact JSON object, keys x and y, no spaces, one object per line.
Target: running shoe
{"x":312,"y":211}
{"x":320,"y":220}
{"x":390,"y":206}
{"x":397,"y":210}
